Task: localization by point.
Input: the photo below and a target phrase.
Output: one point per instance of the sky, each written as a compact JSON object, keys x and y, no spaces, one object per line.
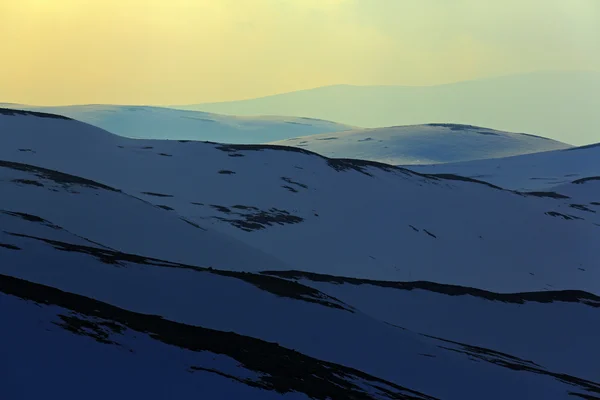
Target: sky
{"x":57,"y":52}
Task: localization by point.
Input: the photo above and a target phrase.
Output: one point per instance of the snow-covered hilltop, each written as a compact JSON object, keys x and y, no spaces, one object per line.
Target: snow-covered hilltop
{"x":143,"y":122}
{"x":423,"y":144}
{"x":538,"y":171}
{"x":419,"y":144}
{"x":191,"y":269}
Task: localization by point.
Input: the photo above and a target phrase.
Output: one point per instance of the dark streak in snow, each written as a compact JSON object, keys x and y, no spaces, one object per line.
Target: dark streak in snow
{"x":58,"y":177}
{"x":280,"y":369}
{"x":11,"y":112}
{"x":157,"y":194}
{"x":567,"y":296}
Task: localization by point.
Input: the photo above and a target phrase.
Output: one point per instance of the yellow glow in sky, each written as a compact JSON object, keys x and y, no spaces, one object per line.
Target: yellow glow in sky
{"x":192,"y":51}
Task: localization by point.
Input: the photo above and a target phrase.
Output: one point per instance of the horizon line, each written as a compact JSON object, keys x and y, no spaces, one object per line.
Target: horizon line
{"x":173,"y":105}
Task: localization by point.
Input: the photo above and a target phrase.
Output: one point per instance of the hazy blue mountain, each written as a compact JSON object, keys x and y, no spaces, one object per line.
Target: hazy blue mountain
{"x":558,"y":105}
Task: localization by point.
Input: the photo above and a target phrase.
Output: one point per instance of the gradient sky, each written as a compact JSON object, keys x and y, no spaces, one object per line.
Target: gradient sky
{"x":192,"y":51}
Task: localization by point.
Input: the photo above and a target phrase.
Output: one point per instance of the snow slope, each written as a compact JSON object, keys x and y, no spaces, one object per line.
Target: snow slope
{"x":559,"y":105}
{"x":165,"y":123}
{"x":337,"y":217}
{"x":124,"y":222}
{"x":540,"y":171}
{"x":150,"y":327}
{"x":520,"y":324}
{"x":586,"y":189}
{"x":423,"y":144}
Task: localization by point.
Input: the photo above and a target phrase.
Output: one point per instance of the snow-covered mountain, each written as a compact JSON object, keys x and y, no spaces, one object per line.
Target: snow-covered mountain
{"x":71,"y":306}
{"x":539,"y":171}
{"x":423,"y":144}
{"x":155,"y":328}
{"x":164,"y":123}
{"x":189,"y":269}
{"x":338,"y":217}
{"x":559,"y":105}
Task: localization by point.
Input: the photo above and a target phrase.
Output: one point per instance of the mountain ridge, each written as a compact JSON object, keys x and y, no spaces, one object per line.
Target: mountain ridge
{"x":560,"y":105}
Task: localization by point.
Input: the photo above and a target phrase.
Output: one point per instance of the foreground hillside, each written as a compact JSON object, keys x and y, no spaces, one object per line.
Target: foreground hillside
{"x":328,"y":216}
{"x":143,"y":122}
{"x":540,"y":171}
{"x":559,"y":105}
{"x":423,"y":144}
{"x":78,"y":309}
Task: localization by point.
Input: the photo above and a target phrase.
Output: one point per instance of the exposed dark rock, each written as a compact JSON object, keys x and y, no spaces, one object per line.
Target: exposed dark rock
{"x":241,"y":207}
{"x":10,"y":112}
{"x":279,"y":369}
{"x":346,"y":164}
{"x":291,"y":189}
{"x":588,"y":179}
{"x":157,"y":194}
{"x":30,"y":218}
{"x":429,"y":233}
{"x":563,"y":216}
{"x":337,"y":164}
{"x":514,"y":363}
{"x":9,"y":246}
{"x":342,"y":164}
{"x":584,"y":396}
{"x":98,"y":329}
{"x":552,"y":195}
{"x":581,"y":207}
{"x":58,"y":177}
{"x":220,"y":208}
{"x":277,"y":286}
{"x":232,"y":148}
{"x":192,"y":223}
{"x":456,"y":127}
{"x":453,"y":177}
{"x":259,"y":219}
{"x":291,"y":182}
{"x":567,"y":296}
{"x":28,"y":182}
{"x":315,"y":119}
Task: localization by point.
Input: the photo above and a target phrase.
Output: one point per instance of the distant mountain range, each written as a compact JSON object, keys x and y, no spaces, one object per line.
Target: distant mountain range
{"x":558,"y":105}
